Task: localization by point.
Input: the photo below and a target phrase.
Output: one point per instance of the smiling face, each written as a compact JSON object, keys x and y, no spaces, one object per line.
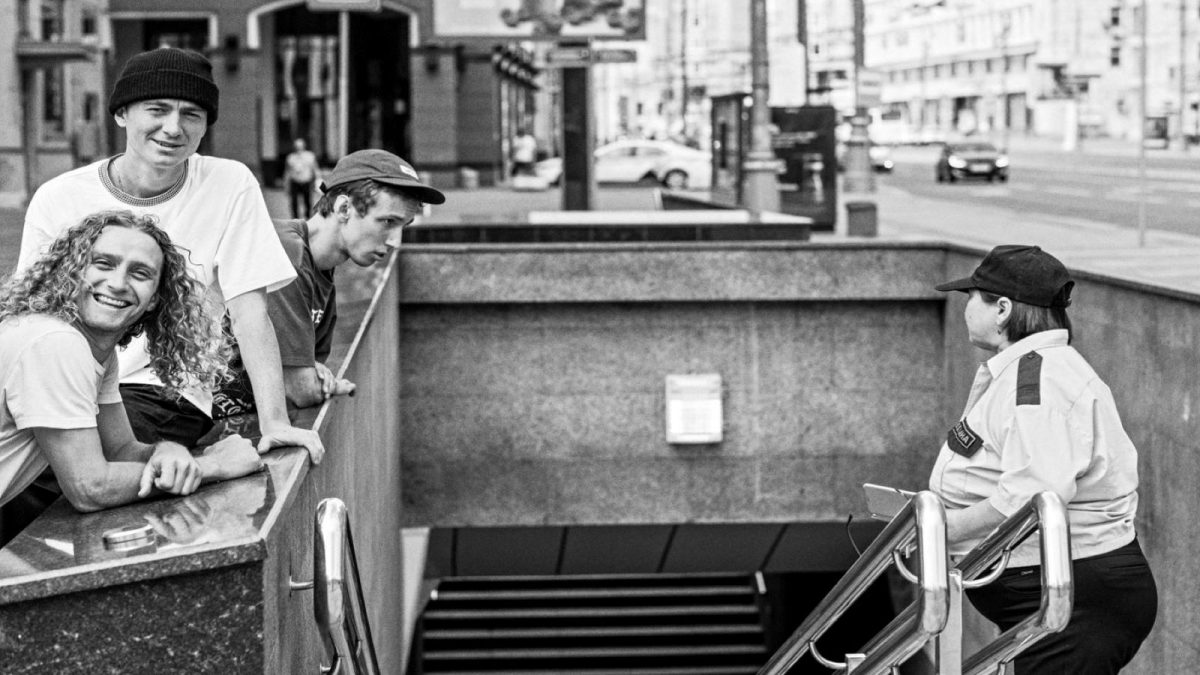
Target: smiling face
{"x":120,"y":280}
{"x":367,"y":238}
{"x":162,"y":133}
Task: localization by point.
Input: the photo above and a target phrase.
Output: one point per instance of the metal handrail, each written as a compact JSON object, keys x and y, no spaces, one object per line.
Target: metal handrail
{"x":923,"y":521}
{"x":338,"y":604}
{"x":1048,"y":511}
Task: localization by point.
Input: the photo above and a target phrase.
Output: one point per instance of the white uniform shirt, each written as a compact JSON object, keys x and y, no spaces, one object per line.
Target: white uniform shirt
{"x":1050,"y":424}
{"x":217,"y":214}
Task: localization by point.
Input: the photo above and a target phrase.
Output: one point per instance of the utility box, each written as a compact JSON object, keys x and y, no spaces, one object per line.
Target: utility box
{"x":804,"y":141}
{"x":802,"y":138}
{"x":862,"y":219}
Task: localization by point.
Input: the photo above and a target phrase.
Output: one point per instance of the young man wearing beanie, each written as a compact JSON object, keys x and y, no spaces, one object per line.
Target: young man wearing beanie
{"x":370,"y":196}
{"x":166,"y":99}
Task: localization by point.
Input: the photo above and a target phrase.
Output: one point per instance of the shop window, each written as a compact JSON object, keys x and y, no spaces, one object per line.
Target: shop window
{"x":53,"y":126}
{"x":182,"y":33}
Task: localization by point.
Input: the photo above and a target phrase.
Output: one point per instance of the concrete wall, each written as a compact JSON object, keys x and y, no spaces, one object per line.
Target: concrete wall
{"x":532,"y":389}
{"x":533,"y":385}
{"x":1146,"y":346}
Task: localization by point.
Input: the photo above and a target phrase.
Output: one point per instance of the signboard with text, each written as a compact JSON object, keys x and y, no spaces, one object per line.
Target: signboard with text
{"x":579,"y":57}
{"x":550,"y":20}
{"x":345,"y":5}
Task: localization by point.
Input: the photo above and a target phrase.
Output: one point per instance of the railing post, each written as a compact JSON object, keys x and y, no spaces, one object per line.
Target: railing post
{"x":949,"y":643}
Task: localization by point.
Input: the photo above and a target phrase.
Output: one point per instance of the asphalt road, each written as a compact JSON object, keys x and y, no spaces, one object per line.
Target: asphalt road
{"x":1090,"y":187}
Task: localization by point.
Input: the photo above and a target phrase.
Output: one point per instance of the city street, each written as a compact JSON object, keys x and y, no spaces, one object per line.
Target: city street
{"x":1087,"y":185}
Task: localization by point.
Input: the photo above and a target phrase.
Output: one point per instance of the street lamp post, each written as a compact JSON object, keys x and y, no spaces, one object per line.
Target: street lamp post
{"x":1141,"y":213}
{"x":859,"y":177}
{"x":1005,"y":109}
{"x":761,"y":187}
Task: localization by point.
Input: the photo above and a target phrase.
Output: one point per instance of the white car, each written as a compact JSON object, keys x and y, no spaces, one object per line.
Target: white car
{"x":672,"y":164}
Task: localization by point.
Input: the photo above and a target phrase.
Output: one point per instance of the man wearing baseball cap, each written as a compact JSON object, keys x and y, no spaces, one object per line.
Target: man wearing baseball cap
{"x":165,"y":100}
{"x":368,"y":198}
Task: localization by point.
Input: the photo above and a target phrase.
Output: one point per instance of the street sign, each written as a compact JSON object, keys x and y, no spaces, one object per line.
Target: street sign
{"x":870,"y":88}
{"x":581,"y":57}
{"x":569,"y":57}
{"x":614,"y":56}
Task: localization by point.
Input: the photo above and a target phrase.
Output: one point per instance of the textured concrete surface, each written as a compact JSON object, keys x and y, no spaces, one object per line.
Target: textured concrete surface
{"x":553,"y":412}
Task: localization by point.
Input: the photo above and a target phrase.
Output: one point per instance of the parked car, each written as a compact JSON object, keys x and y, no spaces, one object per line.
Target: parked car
{"x":673,"y":165}
{"x":973,"y":159}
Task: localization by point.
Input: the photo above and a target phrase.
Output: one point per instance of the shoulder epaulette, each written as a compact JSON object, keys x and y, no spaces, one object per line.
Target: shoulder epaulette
{"x":1029,"y":379}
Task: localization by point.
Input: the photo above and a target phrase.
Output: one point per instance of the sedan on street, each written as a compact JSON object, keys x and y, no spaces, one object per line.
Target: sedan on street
{"x":972,"y":159}
{"x":673,"y":165}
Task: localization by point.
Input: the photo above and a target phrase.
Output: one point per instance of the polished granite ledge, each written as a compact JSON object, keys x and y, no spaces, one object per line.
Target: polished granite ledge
{"x":221,"y":525}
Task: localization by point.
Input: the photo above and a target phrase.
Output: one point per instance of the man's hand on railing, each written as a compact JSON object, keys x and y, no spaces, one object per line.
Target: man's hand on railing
{"x":283,"y":436}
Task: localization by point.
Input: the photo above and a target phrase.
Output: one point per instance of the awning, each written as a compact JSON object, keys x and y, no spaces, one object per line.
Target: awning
{"x":40,"y":53}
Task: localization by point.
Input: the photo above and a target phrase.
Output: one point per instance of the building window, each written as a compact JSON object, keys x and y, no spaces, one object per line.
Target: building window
{"x":53,"y":109}
{"x":91,"y":106}
{"x":1114,"y":17}
{"x":52,"y":20}
{"x":87,"y":22}
{"x":1114,"y":56}
{"x":23,"y":19}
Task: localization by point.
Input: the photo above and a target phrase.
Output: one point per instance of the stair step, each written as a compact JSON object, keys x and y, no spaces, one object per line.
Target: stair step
{"x":603,"y":579}
{"x":599,"y":612}
{"x":593,"y":652}
{"x":581,"y":593}
{"x":616,"y":631}
{"x":697,"y":670}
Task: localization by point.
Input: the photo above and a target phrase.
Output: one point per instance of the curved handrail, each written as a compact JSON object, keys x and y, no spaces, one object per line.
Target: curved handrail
{"x":923,"y":521}
{"x":338,"y":604}
{"x":1047,"y":510}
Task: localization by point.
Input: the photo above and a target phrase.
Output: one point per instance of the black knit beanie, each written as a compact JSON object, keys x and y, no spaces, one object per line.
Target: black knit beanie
{"x":166,"y":72}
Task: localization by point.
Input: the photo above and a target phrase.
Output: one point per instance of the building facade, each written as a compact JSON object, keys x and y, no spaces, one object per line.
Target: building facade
{"x":51,"y":94}
{"x":287,"y":69}
{"x":1058,"y":68}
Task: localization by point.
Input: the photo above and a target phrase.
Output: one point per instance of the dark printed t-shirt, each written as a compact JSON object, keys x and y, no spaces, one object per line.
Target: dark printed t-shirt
{"x":303,"y":313}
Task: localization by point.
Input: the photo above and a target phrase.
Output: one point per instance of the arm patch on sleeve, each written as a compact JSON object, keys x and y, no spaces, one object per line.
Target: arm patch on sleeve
{"x":1029,"y":379}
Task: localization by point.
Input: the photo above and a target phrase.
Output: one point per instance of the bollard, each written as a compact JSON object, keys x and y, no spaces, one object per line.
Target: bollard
{"x":861,"y":219}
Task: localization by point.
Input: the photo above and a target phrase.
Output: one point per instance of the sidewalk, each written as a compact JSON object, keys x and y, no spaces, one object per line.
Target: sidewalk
{"x":1168,"y":259}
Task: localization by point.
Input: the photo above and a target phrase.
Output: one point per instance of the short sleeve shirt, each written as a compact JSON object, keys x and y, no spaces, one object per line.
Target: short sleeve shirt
{"x":303,"y":313}
{"x":48,"y":379}
{"x":216,"y":215}
{"x":1046,"y":422}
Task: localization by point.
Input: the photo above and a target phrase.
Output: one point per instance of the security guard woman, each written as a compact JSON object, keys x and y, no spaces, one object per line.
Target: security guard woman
{"x":1039,"y":418}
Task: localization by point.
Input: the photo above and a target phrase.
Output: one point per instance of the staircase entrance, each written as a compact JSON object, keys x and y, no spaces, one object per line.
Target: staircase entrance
{"x":659,"y":624}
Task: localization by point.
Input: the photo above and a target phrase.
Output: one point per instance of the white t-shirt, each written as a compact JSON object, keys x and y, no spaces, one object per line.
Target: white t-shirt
{"x":524,"y":149}
{"x":48,"y":378}
{"x":217,"y":214}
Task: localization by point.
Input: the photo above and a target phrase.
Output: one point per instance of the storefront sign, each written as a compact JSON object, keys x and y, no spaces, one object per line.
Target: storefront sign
{"x":345,"y":5}
{"x":550,"y":20}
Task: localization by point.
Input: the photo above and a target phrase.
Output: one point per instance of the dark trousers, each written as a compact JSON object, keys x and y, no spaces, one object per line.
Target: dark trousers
{"x":300,"y":192}
{"x":1115,"y":603}
{"x":156,"y":414}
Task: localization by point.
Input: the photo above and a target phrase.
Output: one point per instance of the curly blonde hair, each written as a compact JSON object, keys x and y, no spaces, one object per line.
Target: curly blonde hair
{"x":185,"y":340}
